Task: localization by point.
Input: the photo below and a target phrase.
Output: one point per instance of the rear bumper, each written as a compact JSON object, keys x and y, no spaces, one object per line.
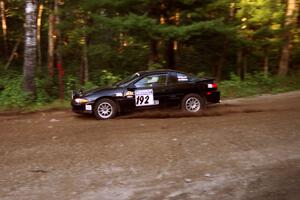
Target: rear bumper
{"x":213,"y":96}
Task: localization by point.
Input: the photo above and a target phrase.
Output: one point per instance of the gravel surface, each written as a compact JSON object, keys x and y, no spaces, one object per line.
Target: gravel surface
{"x":244,"y":149}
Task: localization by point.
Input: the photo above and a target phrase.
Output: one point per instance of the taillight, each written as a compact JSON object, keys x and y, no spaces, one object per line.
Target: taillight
{"x":212,"y":85}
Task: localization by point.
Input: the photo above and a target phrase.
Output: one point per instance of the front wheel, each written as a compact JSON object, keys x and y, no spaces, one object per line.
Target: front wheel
{"x":193,"y":103}
{"x":105,"y":109}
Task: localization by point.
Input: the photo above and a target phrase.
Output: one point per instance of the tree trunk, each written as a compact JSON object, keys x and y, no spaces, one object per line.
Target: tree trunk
{"x":153,"y":58}
{"x":239,"y":61}
{"x":221,"y":61}
{"x":245,"y":66}
{"x":86,"y":61}
{"x":232,"y":11}
{"x":290,"y":22}
{"x":51,"y":40}
{"x":170,"y":54}
{"x":30,"y":47}
{"x":266,"y":62}
{"x":12,"y":54}
{"x":242,"y":62}
{"x":59,"y":62}
{"x":39,"y":23}
{"x":220,"y":66}
{"x":155,"y":12}
{"x":84,"y":68}
{"x":4,"y":27}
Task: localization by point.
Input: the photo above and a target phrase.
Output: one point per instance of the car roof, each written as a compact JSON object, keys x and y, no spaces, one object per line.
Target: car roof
{"x":142,"y":73}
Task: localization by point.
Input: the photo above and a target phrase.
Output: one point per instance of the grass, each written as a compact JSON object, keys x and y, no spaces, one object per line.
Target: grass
{"x":55,"y":105}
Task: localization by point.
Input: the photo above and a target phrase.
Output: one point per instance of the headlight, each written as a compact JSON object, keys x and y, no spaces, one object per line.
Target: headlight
{"x":129,"y":93}
{"x":80,"y":100}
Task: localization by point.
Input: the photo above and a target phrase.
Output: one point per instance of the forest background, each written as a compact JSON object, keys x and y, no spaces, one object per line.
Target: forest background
{"x":49,"y":48}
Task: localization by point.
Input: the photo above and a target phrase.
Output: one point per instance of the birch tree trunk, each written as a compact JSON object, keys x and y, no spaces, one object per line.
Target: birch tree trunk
{"x":290,"y":21}
{"x":30,"y":47}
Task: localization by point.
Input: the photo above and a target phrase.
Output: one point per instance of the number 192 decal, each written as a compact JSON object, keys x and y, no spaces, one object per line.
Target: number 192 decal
{"x":144,"y":97}
{"x":142,"y":100}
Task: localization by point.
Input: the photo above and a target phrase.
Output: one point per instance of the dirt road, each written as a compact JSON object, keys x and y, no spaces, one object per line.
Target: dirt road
{"x":240,"y":149}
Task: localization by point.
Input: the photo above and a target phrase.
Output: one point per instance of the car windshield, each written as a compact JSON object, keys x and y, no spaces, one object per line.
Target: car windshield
{"x":125,"y":82}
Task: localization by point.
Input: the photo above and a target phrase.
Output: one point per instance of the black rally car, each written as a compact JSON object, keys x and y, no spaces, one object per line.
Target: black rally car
{"x":148,"y":89}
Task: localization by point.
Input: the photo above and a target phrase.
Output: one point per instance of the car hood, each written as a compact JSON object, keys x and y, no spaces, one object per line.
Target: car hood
{"x":97,"y":90}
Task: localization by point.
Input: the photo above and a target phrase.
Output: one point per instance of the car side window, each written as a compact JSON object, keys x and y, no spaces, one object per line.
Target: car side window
{"x":152,"y":81}
{"x":182,"y":77}
{"x":176,"y":77}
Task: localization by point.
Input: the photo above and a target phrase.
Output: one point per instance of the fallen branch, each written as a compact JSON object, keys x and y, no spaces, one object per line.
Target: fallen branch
{"x":12,"y":54}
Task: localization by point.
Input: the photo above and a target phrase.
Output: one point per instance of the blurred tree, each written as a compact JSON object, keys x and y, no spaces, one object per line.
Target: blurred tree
{"x":51,"y":38}
{"x":4,"y":26}
{"x":39,"y":25}
{"x":259,"y":27}
{"x":30,"y":47}
{"x":59,"y":49}
{"x":290,"y":23}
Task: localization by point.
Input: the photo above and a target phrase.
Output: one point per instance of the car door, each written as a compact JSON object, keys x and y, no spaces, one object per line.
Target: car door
{"x":150,"y":91}
{"x":178,"y":85}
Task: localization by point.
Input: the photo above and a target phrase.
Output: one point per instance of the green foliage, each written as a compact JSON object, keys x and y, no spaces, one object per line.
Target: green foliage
{"x":106,"y":77}
{"x":45,"y":91}
{"x":12,"y":96}
{"x":258,"y":83}
{"x":288,"y":83}
{"x":88,"y":85}
{"x":73,"y":83}
{"x":201,"y":74}
{"x":155,"y":66}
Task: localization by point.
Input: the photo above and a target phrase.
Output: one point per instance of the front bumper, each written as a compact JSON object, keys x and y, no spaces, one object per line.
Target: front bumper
{"x":82,"y":108}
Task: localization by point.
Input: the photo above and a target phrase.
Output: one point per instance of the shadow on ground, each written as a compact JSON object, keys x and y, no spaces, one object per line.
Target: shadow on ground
{"x":212,"y":110}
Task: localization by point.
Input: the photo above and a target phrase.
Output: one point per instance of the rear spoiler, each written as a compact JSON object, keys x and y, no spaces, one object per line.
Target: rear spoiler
{"x":206,"y":80}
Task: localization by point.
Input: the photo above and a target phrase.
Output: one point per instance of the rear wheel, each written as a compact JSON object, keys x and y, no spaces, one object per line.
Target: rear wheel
{"x":193,"y":103}
{"x":105,"y":109}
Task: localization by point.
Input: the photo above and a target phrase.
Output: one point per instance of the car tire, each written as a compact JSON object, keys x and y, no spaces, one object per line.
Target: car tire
{"x":193,"y":103}
{"x":105,"y":109}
